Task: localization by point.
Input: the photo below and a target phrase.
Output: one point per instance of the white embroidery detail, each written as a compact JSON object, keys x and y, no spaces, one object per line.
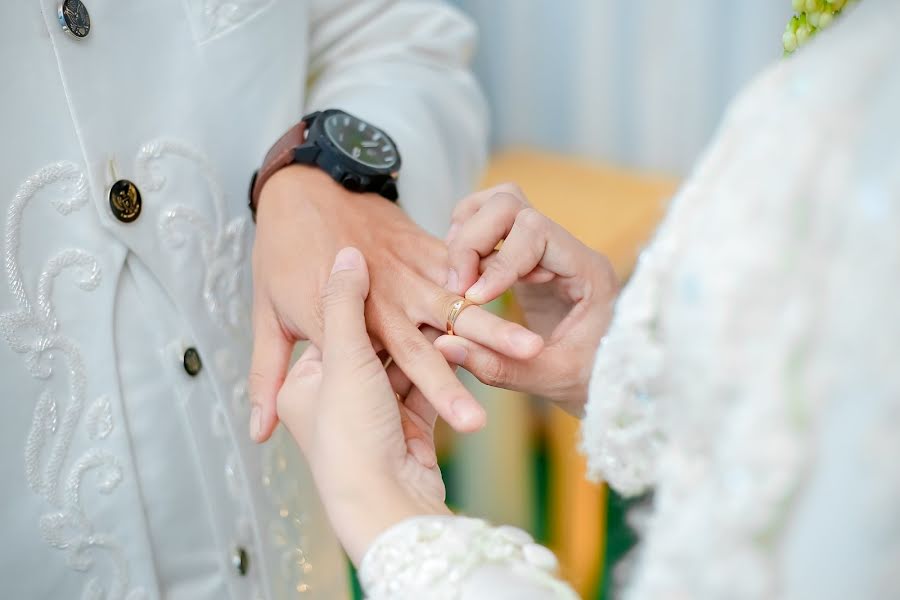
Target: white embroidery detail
{"x":433,"y":556}
{"x":223,"y":245}
{"x":34,"y":332}
{"x":99,"y":419}
{"x":213,"y":18}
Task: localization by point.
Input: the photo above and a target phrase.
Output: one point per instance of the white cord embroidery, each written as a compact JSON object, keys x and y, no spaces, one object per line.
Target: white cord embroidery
{"x":214,"y":18}
{"x":223,"y":245}
{"x":33,"y":330}
{"x":224,"y":250}
{"x":99,"y":419}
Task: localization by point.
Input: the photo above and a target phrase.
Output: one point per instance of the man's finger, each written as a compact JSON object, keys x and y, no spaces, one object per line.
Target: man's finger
{"x":417,"y":440}
{"x":400,"y":383}
{"x":271,"y":357}
{"x":422,"y":412}
{"x":429,"y":372}
{"x":486,"y":328}
{"x":480,"y":325}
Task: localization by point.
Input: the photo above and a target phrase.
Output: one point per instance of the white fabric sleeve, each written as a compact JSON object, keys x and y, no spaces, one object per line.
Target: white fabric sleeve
{"x":621,"y":433}
{"x":403,"y":66}
{"x":459,"y":558}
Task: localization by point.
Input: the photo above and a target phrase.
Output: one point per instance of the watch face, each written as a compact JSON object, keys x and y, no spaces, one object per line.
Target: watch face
{"x":360,"y":141}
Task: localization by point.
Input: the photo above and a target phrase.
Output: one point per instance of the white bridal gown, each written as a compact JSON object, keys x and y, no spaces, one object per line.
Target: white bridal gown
{"x":126,"y":468}
{"x":750,"y":376}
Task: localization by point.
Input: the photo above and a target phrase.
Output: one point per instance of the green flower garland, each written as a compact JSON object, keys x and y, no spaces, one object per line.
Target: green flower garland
{"x":812,"y":15}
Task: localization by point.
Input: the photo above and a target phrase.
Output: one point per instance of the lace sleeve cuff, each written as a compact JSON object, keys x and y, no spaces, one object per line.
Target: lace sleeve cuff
{"x":438,"y":557}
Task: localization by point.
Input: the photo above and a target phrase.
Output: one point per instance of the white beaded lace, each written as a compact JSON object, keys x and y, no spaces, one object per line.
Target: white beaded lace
{"x":768,"y":295}
{"x":432,"y":557}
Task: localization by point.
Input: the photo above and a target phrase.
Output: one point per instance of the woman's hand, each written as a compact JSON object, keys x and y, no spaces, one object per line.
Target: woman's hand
{"x":565,"y":289}
{"x":371,"y":452}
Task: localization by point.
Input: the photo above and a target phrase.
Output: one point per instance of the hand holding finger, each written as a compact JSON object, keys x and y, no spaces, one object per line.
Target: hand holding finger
{"x":535,"y":246}
{"x":508,"y":338}
{"x":469,"y":205}
{"x":479,"y":235}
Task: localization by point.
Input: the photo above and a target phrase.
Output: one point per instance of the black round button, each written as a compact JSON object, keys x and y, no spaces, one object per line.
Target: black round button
{"x":74,"y":18}
{"x":192,"y":362}
{"x":240,"y":561}
{"x":352,"y":183}
{"x":125,"y":201}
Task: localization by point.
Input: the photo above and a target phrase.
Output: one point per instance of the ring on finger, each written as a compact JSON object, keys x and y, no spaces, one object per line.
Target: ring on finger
{"x":455,"y":310}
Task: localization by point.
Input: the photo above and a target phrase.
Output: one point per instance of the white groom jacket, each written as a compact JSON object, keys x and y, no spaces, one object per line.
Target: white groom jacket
{"x":126,"y":470}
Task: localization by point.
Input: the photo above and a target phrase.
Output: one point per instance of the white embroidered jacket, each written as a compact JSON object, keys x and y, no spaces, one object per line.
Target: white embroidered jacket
{"x":122,"y":475}
{"x":750,"y":373}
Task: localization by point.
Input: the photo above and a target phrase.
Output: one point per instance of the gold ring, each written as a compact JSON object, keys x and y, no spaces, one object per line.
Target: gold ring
{"x":455,"y":309}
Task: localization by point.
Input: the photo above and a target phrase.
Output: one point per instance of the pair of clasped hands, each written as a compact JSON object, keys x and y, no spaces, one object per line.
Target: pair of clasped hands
{"x":363,"y":399}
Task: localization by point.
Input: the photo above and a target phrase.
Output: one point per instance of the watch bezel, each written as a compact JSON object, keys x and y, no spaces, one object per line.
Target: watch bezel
{"x":350,"y":164}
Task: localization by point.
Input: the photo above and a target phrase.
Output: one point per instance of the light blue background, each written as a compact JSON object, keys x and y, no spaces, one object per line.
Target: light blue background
{"x":639,"y":83}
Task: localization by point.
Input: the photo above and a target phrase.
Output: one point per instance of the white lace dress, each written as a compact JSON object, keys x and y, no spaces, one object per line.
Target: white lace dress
{"x":750,"y":376}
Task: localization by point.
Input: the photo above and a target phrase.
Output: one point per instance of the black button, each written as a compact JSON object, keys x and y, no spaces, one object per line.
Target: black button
{"x":125,"y":201}
{"x":240,"y":561}
{"x":352,"y":183}
{"x":74,"y":18}
{"x":192,"y":362}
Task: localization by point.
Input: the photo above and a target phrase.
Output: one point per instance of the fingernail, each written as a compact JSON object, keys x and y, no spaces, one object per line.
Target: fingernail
{"x":255,"y":423}
{"x":454,"y":352}
{"x":422,"y":452}
{"x":468,"y":414}
{"x":453,"y":229}
{"x":452,"y":280}
{"x":346,"y":260}
{"x":474,"y":292}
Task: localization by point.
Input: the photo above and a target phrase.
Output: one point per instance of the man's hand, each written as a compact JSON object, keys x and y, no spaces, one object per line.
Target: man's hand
{"x":303,"y":219}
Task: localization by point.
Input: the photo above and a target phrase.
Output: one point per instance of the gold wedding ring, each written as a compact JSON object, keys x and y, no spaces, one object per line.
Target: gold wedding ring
{"x":455,"y":309}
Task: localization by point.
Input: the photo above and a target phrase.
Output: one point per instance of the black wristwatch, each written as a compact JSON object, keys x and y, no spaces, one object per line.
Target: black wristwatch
{"x":354,"y":153}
